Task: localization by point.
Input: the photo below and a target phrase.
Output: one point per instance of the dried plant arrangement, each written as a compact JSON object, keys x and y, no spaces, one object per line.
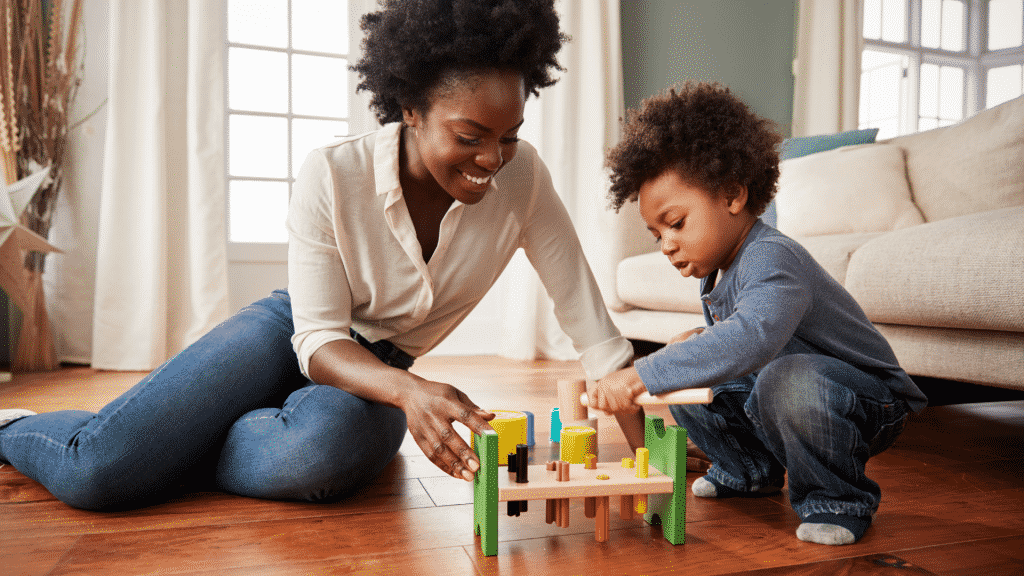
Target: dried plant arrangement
{"x":39,"y":77}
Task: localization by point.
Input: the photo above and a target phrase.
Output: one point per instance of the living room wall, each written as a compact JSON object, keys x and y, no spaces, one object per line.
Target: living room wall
{"x":748,"y":46}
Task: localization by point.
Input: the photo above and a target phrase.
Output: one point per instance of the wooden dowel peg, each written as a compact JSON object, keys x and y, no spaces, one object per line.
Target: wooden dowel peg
{"x":690,"y":396}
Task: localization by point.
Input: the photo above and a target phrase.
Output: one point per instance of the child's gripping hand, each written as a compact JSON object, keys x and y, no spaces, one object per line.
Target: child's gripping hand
{"x":615,"y":392}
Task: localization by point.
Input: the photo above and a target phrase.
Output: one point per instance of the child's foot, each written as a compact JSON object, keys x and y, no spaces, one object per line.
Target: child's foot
{"x":705,"y":487}
{"x":832,"y":529}
{"x":12,"y":414}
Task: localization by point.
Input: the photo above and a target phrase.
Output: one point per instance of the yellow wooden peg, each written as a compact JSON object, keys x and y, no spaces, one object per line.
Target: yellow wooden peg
{"x":643,"y":457}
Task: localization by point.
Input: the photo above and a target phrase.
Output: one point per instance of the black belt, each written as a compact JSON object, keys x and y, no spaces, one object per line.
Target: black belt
{"x":385,"y":351}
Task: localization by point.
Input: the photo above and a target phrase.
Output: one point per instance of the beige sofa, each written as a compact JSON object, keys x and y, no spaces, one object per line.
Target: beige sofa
{"x":926,"y":231}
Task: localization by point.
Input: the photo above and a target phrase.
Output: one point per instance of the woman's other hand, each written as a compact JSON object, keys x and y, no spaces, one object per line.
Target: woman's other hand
{"x":430,"y":409}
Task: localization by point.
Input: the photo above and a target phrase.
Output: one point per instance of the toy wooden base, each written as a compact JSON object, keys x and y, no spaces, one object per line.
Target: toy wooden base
{"x":665,"y":483}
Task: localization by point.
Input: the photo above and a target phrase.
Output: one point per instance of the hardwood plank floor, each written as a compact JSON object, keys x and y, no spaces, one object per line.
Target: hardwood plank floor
{"x":953,"y":503}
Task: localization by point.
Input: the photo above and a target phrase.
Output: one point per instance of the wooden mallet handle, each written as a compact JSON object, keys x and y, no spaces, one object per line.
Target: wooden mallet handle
{"x":690,"y":396}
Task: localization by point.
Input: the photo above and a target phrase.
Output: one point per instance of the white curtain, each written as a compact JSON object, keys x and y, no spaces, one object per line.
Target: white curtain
{"x":572,"y":124}
{"x":827,"y":67}
{"x":161,"y":272}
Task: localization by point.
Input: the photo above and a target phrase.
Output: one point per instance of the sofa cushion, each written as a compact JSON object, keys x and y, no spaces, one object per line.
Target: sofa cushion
{"x":804,"y":145}
{"x":833,"y":252}
{"x":854,"y":189}
{"x":963,"y":272}
{"x":974,"y":166}
{"x":650,"y":281}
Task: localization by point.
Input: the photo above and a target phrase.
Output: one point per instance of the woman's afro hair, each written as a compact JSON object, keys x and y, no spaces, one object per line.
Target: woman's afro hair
{"x":704,"y":132}
{"x":411,"y":47}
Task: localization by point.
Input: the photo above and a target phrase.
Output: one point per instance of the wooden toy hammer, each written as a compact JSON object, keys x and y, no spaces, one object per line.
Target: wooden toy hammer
{"x":690,"y":396}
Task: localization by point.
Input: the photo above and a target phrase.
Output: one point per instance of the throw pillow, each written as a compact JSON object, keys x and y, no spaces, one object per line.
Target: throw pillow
{"x":844,"y":191}
{"x":804,"y":145}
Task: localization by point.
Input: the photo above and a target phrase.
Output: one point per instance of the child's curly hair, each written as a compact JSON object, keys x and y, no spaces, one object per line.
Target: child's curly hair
{"x":706,"y":133}
{"x":413,"y":46}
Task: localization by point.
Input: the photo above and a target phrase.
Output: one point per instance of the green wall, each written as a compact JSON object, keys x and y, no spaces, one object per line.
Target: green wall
{"x":745,"y":44}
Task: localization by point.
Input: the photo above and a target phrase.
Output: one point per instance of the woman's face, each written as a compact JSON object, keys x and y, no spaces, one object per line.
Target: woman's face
{"x":466,"y":136}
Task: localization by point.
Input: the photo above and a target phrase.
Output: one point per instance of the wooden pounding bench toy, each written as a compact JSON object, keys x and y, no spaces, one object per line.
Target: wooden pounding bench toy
{"x":654,"y":484}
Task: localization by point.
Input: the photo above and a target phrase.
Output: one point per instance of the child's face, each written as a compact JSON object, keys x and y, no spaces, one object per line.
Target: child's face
{"x":699,"y":232}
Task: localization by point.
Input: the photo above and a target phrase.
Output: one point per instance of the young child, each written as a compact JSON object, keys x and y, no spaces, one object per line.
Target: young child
{"x":803,"y":382}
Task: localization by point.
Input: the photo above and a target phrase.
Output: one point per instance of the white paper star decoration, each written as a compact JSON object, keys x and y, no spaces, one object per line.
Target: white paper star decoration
{"x":15,"y":237}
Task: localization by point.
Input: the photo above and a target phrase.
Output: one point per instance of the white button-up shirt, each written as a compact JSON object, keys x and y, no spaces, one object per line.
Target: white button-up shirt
{"x":354,"y":259}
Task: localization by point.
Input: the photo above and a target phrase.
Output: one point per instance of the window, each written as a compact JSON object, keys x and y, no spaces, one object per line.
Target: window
{"x":287,"y":93}
{"x":931,"y":63}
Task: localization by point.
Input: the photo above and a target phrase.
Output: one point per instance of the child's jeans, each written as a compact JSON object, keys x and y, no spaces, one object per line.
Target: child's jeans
{"x":815,"y":417}
{"x":232,"y":411}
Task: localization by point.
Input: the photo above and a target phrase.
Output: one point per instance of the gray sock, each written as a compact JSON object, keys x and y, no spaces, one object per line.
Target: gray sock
{"x":832,"y":529}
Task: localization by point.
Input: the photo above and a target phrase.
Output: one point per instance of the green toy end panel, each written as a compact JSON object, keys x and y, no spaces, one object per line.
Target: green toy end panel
{"x":485,"y":493}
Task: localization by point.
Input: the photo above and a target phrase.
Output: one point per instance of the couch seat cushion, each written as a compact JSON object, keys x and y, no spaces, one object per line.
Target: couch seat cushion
{"x":833,"y":252}
{"x":965,"y":272}
{"x":650,"y":281}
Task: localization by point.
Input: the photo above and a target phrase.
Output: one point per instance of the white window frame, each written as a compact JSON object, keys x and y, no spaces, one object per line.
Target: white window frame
{"x":359,"y":118}
{"x":975,"y":60}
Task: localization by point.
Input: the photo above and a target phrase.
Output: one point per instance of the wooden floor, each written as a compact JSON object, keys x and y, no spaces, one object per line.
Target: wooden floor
{"x":953,"y":503}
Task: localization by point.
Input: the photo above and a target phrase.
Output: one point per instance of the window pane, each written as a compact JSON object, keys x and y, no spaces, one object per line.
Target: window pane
{"x":881,"y":91}
{"x":320,"y":26}
{"x":1004,"y":84}
{"x":257,"y":146}
{"x":942,"y":24}
{"x":928,"y":103}
{"x":260,"y":22}
{"x":319,"y":86}
{"x":951,"y":93}
{"x":1005,"y":23}
{"x":257,"y":211}
{"x":894,"y":20}
{"x":257,"y":80}
{"x":873,"y":19}
{"x":310,"y":134}
{"x":953,"y":25}
{"x":931,"y":23}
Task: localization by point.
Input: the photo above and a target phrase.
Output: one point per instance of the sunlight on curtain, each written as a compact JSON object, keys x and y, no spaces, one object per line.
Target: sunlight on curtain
{"x":827,"y":67}
{"x":161,"y":274}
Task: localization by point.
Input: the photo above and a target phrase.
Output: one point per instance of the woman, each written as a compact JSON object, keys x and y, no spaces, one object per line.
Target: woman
{"x":394,"y":236}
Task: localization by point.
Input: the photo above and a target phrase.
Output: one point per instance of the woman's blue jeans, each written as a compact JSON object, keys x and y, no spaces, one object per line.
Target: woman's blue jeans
{"x":232,"y":411}
{"x":814,"y":417}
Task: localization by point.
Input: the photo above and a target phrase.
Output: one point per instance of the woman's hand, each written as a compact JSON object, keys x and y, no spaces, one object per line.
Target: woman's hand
{"x":615,"y":392}
{"x":430,"y":409}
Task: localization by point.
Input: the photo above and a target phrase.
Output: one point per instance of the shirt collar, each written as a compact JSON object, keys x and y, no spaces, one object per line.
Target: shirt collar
{"x":385,"y":159}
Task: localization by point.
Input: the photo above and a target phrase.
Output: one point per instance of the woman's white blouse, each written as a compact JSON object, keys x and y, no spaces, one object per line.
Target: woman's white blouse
{"x":354,"y":260}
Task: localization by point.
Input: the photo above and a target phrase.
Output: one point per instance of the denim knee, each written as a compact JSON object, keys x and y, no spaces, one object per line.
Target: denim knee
{"x":790,"y":393}
{"x":324,"y":444}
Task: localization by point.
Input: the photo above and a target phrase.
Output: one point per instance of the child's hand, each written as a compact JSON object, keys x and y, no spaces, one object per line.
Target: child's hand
{"x":685,"y":335}
{"x":615,"y":392}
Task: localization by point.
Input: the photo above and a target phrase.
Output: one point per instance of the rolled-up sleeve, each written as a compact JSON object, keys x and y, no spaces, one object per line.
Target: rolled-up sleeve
{"x":554,"y":250}
{"x":317,"y":281}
